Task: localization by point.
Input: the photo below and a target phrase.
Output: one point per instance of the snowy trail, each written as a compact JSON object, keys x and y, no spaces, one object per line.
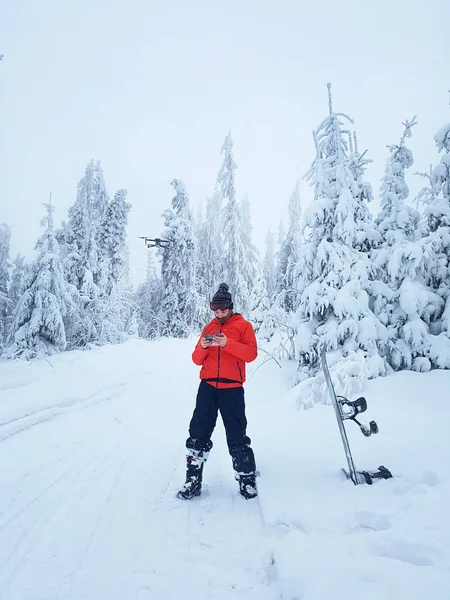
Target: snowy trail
{"x":88,"y":506}
{"x":92,"y":455}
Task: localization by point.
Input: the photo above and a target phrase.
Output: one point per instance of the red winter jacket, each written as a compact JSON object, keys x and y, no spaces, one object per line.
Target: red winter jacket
{"x":225,"y":367}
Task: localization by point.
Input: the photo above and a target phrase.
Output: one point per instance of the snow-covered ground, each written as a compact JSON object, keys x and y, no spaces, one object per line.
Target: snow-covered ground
{"x":92,"y":454}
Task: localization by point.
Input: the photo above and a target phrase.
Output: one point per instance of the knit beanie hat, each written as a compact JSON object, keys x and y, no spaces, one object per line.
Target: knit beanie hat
{"x":222,"y":298}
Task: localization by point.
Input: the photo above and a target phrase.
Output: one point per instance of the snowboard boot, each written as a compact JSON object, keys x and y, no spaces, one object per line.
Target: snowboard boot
{"x":194,"y":475}
{"x":247,"y":486}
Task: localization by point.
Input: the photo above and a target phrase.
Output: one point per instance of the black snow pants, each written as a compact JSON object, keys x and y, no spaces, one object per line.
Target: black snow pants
{"x":231,"y":404}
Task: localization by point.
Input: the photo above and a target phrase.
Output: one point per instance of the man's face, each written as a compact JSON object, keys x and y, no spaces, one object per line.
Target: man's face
{"x":222,"y":314}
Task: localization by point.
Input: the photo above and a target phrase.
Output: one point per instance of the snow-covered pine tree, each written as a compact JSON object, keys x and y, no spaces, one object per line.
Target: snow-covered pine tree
{"x":99,"y":199}
{"x":148,"y":299}
{"x":16,"y":287}
{"x":367,"y":236}
{"x":281,"y":236}
{"x":251,"y":260}
{"x":269,"y":267}
{"x":436,"y":247}
{"x":38,"y":321}
{"x":198,"y":221}
{"x":335,"y":275}
{"x":400,"y":300}
{"x":288,"y":256}
{"x":260,"y":308}
{"x":233,"y":256}
{"x":181,"y":305}
{"x":114,"y":304}
{"x":5,"y":303}
{"x":81,"y":261}
{"x":201,"y":261}
{"x":83,"y":231}
{"x":210,"y":245}
{"x":113,"y":235}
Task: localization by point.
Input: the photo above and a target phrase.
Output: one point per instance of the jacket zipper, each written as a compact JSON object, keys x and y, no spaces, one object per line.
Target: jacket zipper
{"x":218,"y":362}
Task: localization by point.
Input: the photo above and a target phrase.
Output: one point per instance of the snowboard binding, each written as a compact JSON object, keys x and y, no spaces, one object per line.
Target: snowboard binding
{"x":347,"y":410}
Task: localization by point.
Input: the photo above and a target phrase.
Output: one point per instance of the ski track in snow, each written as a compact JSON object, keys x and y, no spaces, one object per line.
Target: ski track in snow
{"x":89,"y":507}
{"x":23,"y":422}
{"x":89,"y":473}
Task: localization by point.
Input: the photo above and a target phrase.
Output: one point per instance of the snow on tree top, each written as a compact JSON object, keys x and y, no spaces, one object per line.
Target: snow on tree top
{"x":442,"y":138}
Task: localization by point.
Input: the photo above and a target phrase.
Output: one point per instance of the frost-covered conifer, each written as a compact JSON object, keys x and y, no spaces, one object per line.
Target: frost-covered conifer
{"x":210,"y":245}
{"x":113,"y":235}
{"x":250,"y":260}
{"x":201,"y":262}
{"x":114,"y":306}
{"x":401,"y":301}
{"x":181,"y":305}
{"x":81,"y":267}
{"x":38,"y":321}
{"x":367,"y":236}
{"x":234,"y":253}
{"x":99,"y":201}
{"x":289,"y":255}
{"x":269,"y":267}
{"x":436,"y":226}
{"x":81,"y":252}
{"x":334,"y":310}
{"x":260,"y":309}
{"x":5,"y":303}
{"x":148,"y":299}
{"x":16,"y":288}
{"x":436,"y":248}
{"x":18,"y":274}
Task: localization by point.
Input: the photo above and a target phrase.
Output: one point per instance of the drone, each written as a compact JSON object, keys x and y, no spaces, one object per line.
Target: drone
{"x":155,"y":242}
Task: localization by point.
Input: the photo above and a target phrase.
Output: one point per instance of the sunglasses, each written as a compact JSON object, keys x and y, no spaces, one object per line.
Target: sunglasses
{"x":218,"y":306}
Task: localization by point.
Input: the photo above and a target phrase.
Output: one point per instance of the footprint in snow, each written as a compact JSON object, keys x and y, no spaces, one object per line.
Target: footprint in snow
{"x":370,"y":521}
{"x":429,"y":478}
{"x":414,"y":554}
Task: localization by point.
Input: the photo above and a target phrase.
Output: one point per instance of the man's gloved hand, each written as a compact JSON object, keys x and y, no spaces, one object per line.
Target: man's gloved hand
{"x":220,"y":340}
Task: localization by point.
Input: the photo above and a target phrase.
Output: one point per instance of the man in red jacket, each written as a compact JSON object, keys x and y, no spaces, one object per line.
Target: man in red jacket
{"x":226,"y":344}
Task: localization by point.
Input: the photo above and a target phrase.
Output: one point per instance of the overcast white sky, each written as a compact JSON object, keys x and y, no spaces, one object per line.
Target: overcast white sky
{"x":151,"y":88}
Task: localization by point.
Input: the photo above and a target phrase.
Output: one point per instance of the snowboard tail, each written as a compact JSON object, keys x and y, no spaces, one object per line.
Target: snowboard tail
{"x":346,"y":410}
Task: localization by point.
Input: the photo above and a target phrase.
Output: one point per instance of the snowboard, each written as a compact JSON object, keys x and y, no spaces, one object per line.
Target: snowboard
{"x":347,"y":410}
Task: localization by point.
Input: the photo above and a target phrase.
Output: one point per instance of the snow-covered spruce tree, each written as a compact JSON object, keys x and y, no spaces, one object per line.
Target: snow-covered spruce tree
{"x":16,"y":287}
{"x":210,"y":246}
{"x":435,"y":243}
{"x":200,"y":260}
{"x":99,"y":199}
{"x":38,"y":321}
{"x":198,"y":221}
{"x":233,"y":255}
{"x":260,"y":309}
{"x":269,"y":267}
{"x":334,"y":310}
{"x":400,"y":300}
{"x":367,"y":236}
{"x":113,"y":235}
{"x":81,"y":263}
{"x":82,"y":232}
{"x":288,"y":256}
{"x":251,"y":260}
{"x":114,"y":305}
{"x":181,"y":306}
{"x":5,"y":303}
{"x":148,"y":299}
